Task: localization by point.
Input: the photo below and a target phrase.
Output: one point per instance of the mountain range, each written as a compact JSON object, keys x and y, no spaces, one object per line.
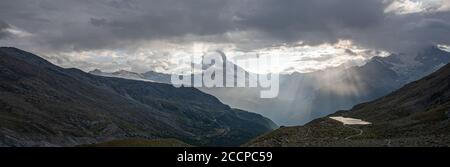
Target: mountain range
{"x":418,"y":114}
{"x":306,"y":96}
{"x":42,"y":104}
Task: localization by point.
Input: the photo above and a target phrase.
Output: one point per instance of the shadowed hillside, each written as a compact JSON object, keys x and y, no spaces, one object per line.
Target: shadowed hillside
{"x":418,"y":114}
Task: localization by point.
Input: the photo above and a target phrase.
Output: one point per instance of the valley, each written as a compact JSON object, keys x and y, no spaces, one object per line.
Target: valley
{"x":36,"y":94}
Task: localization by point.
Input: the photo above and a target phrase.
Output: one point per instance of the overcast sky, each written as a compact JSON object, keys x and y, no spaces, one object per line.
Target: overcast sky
{"x":139,"y":35}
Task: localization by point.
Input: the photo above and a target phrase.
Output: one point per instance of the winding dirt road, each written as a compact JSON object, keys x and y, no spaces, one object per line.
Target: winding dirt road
{"x":360,"y":132}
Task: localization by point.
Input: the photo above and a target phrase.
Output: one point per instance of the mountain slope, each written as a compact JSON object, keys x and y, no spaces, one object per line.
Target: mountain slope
{"x":418,"y":114}
{"x":45,"y":105}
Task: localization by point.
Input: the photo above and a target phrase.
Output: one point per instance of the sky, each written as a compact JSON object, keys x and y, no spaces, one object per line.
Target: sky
{"x":141,"y":35}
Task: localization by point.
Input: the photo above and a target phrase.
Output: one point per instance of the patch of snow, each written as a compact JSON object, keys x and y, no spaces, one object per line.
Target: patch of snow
{"x":350,"y":121}
{"x":444,"y":48}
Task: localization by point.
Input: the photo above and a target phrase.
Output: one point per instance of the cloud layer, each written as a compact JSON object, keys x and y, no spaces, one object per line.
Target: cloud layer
{"x":63,"y":26}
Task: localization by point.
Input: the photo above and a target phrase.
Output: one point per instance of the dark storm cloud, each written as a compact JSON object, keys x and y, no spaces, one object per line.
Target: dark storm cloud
{"x":403,"y":33}
{"x":85,"y":25}
{"x":363,"y":21}
{"x":171,"y":18}
{"x":107,"y":23}
{"x":310,"y":20}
